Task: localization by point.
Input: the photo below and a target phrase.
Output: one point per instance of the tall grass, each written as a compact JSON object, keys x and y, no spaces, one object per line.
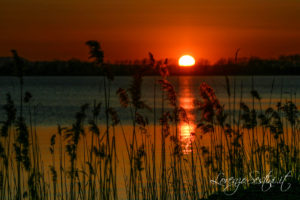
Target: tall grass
{"x":231,"y":139}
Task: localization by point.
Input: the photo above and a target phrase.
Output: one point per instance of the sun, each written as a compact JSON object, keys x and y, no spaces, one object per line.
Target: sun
{"x":186,"y":61}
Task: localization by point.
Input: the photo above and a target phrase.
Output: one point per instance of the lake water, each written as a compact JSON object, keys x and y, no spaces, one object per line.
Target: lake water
{"x":57,"y":99}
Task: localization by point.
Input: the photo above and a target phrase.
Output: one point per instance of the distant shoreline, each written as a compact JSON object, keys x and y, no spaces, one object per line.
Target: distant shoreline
{"x":171,"y":75}
{"x":284,"y":65}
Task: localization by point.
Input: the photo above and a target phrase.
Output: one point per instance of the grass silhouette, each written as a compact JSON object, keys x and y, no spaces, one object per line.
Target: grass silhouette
{"x":230,"y":142}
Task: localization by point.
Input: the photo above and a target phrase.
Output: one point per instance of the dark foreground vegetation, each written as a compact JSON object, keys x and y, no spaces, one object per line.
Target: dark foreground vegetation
{"x":255,"y":139}
{"x":255,"y":192}
{"x":284,"y":65}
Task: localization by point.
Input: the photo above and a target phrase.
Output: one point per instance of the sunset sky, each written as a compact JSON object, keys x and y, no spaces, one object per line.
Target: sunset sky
{"x":129,"y":29}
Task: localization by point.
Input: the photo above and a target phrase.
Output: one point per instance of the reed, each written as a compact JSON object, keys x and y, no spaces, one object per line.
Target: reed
{"x":231,"y":139}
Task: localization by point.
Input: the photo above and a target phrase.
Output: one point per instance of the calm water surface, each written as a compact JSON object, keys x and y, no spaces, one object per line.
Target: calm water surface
{"x":57,"y":99}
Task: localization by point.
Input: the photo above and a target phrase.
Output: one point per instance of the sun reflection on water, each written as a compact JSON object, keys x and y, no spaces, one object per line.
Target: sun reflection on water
{"x":186,"y":101}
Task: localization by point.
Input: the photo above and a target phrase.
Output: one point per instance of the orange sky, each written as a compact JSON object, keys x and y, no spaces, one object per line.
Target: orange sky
{"x":129,"y":29}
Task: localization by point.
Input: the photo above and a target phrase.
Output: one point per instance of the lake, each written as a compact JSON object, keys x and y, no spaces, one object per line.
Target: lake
{"x":57,"y":99}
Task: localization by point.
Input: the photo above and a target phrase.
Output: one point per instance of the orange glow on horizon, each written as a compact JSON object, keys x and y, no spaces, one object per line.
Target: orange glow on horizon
{"x":129,"y":30}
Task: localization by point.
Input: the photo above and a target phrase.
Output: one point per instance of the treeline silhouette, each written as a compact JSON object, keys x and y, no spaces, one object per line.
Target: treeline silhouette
{"x":283,"y":65}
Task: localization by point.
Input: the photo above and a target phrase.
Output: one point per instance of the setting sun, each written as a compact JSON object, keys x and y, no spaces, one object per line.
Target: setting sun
{"x":186,"y":61}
